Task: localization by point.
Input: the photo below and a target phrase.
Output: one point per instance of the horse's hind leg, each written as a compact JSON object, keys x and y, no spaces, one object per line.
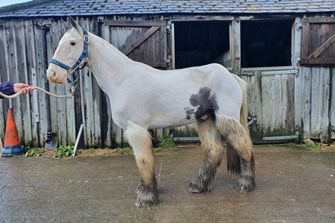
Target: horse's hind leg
{"x":211,"y":143}
{"x":140,"y":140}
{"x":239,"y":152}
{"x":233,"y":160}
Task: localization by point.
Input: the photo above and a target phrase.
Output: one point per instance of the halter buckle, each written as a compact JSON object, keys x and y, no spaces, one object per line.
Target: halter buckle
{"x":74,"y":86}
{"x":70,"y":71}
{"x":86,"y":40}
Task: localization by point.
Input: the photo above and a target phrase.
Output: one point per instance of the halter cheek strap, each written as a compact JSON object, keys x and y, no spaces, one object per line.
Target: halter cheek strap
{"x":71,"y":71}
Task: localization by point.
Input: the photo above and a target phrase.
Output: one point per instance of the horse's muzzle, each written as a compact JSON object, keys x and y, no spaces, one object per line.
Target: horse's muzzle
{"x":53,"y":77}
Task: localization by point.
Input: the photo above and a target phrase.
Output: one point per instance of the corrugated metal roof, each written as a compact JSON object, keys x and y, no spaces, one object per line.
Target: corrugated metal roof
{"x":47,"y":8}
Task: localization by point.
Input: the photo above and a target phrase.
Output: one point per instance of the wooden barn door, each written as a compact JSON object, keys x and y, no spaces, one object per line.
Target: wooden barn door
{"x":143,"y":41}
{"x":318,"y":41}
{"x":268,"y":64}
{"x":318,"y":71}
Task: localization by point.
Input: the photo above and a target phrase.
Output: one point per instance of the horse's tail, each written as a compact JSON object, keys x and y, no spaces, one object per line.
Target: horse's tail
{"x":244,"y":107}
{"x":233,"y":157}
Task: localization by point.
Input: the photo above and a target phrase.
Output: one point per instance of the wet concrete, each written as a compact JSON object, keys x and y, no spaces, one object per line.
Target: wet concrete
{"x":292,"y":186}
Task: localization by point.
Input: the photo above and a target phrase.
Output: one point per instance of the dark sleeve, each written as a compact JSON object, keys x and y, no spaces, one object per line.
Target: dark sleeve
{"x":7,"y":88}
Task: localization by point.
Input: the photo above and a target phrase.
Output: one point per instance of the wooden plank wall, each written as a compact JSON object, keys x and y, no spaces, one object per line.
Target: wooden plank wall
{"x":288,"y":103}
{"x":17,"y":43}
{"x":25,"y":60}
{"x":313,"y":95}
{"x":36,"y":114}
{"x":332,"y":103}
{"x":281,"y":102}
{"x":271,"y":100}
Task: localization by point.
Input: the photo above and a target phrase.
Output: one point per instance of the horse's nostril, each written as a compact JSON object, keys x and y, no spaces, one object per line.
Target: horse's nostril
{"x":51,"y":74}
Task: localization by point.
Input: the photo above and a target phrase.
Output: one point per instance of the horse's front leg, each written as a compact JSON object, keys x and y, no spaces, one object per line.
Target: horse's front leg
{"x":140,"y":140}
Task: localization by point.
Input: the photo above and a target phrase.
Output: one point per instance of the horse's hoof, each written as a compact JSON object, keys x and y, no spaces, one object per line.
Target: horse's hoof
{"x":194,"y":190}
{"x":245,"y":185}
{"x":146,"y":200}
{"x":197,"y":188}
{"x":146,"y":204}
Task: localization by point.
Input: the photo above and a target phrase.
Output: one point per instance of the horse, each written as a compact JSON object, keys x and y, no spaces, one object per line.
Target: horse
{"x":144,"y":98}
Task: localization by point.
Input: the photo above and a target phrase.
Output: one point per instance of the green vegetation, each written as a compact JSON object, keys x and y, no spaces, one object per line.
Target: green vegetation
{"x":124,"y":150}
{"x":311,"y":147}
{"x":34,"y":152}
{"x":167,"y":142}
{"x":63,"y":151}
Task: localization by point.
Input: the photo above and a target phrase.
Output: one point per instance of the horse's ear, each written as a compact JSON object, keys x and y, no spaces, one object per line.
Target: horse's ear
{"x":76,"y":25}
{"x":66,"y":24}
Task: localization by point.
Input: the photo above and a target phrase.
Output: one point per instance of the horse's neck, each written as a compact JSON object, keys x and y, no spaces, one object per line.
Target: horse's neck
{"x":107,"y":63}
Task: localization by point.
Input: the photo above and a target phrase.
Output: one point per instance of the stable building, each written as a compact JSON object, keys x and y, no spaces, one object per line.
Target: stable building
{"x":284,"y":49}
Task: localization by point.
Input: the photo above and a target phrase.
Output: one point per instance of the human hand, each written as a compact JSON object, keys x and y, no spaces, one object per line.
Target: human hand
{"x":25,"y":88}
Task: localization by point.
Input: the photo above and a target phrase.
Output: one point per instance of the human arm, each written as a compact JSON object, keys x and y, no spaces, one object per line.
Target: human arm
{"x":10,"y":88}
{"x":25,"y":88}
{"x":7,"y":88}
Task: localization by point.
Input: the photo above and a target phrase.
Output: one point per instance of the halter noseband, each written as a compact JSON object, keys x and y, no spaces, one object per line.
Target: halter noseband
{"x":72,"y":70}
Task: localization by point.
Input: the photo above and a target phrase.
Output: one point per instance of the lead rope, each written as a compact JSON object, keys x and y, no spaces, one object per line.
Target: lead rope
{"x":45,"y":91}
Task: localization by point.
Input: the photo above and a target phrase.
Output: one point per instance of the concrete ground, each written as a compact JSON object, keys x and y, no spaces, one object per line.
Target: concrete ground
{"x":293,"y":185}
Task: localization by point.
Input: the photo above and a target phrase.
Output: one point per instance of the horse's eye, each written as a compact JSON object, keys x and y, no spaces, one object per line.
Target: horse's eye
{"x":72,"y":43}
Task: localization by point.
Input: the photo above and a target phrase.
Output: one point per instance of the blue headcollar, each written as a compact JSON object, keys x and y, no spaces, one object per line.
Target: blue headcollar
{"x":71,"y":71}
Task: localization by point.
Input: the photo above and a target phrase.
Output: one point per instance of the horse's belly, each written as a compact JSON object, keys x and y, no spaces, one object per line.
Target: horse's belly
{"x":157,"y":123}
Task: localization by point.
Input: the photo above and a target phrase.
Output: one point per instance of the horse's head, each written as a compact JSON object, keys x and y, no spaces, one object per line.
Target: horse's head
{"x":69,"y":55}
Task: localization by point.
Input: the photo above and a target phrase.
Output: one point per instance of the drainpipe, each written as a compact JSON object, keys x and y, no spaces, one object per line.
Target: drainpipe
{"x":330,"y":128}
{"x":45,"y":29}
{"x":282,"y":138}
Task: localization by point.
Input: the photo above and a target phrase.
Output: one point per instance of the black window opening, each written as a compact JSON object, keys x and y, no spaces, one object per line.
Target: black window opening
{"x":200,"y":43}
{"x":266,"y":43}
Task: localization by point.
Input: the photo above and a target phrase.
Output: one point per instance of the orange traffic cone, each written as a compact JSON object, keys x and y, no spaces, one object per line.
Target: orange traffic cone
{"x":12,"y":143}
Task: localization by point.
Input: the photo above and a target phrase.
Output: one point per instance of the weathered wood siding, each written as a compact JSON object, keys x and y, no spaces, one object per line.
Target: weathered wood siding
{"x":287,"y":104}
{"x":28,"y":45}
{"x":18,"y":61}
{"x":314,"y":110}
{"x":291,"y":100}
{"x":271,"y":100}
{"x":285,"y":101}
